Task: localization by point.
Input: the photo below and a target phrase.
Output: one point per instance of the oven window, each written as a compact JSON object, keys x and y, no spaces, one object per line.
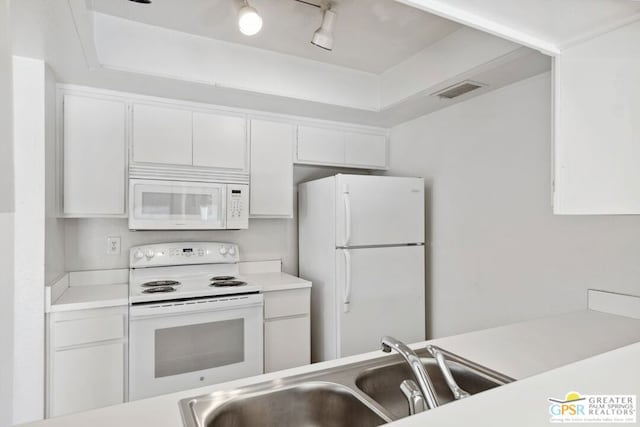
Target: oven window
{"x":193,"y":348}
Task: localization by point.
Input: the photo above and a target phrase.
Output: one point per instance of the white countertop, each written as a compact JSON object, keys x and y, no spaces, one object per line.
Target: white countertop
{"x":82,"y":290}
{"x":518,"y":350}
{"x":92,"y":296}
{"x":276,"y":281}
{"x":524,"y":403}
{"x":106,"y":288}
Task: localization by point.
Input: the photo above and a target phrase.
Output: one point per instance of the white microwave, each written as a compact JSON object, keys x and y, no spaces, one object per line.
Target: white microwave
{"x":184,"y":205}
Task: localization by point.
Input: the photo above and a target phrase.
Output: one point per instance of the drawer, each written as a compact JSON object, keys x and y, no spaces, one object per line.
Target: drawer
{"x":286,"y":303}
{"x":88,"y":330}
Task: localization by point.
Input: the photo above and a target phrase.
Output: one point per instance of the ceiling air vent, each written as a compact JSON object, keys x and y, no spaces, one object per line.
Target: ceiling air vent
{"x":458,"y":89}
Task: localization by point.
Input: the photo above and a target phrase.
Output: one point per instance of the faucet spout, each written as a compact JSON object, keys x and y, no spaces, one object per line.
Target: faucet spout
{"x":419,"y":372}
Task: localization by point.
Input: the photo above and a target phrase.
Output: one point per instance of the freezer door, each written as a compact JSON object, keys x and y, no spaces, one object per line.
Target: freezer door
{"x":381,"y":291}
{"x":379,"y":210}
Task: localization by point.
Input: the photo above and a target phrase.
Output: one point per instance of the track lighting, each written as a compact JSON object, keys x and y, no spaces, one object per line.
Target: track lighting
{"x":249,"y":21}
{"x":323,"y":37}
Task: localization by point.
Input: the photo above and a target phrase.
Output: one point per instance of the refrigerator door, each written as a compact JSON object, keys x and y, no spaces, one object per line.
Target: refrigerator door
{"x":379,"y":210}
{"x":381,"y":291}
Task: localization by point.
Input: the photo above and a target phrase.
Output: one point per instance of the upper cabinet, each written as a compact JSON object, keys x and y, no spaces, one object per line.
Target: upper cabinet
{"x":180,"y":136}
{"x":365,"y":150}
{"x":320,"y":145}
{"x":161,"y":135}
{"x":106,"y":135}
{"x":597,"y":125}
{"x":343,"y":148}
{"x":220,"y":141}
{"x":94,"y":151}
{"x":271,"y":169}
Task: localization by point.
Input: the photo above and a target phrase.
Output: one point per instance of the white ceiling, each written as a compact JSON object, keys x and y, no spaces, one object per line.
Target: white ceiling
{"x":370,"y":35}
{"x":551,"y":25}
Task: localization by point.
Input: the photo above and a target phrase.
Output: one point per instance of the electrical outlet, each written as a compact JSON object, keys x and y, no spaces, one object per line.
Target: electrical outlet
{"x":113,"y":245}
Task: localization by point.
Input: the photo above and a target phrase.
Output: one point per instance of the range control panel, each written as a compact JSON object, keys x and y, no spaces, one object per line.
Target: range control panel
{"x":183,"y":253}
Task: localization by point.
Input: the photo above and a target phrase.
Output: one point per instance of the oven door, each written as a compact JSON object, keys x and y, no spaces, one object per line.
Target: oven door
{"x":165,"y":205}
{"x":194,"y":343}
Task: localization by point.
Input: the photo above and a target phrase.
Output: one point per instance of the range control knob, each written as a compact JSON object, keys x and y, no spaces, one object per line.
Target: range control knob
{"x":150,"y":253}
{"x":138,"y":254}
{"x":232,"y":250}
{"x":223,"y":250}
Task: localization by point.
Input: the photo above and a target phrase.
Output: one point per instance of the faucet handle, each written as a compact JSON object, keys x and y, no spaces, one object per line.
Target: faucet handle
{"x":457,"y":391}
{"x":414,"y":397}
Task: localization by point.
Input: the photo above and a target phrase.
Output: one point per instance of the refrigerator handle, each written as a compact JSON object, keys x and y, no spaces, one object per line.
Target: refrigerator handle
{"x":347,"y":215}
{"x":347,"y":280}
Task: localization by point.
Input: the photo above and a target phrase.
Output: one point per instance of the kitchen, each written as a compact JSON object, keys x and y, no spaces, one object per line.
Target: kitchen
{"x":520,"y":221}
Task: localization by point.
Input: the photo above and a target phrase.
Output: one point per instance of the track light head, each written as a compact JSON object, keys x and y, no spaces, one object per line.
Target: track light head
{"x":249,"y":21}
{"x":323,"y":37}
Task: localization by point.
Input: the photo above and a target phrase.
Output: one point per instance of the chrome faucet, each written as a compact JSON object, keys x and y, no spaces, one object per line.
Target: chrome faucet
{"x":424,"y":382}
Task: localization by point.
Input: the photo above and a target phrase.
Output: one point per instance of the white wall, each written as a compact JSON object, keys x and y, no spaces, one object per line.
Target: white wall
{"x":6,"y":221}
{"x":36,"y":229}
{"x":54,"y":266}
{"x":266,"y":239}
{"x":497,"y":253}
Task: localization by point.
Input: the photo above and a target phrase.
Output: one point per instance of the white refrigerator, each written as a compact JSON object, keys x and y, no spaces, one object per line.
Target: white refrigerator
{"x":361,"y":244}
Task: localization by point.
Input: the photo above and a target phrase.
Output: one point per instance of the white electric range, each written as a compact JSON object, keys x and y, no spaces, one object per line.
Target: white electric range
{"x":193,"y":322}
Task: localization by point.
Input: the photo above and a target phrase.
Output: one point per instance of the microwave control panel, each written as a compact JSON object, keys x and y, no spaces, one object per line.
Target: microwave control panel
{"x":237,"y":206}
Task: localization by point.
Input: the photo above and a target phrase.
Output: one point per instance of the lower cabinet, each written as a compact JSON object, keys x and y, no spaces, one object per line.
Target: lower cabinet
{"x":86,"y":359}
{"x":287,"y":329}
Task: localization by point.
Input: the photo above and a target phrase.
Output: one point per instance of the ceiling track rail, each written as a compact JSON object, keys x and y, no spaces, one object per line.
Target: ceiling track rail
{"x":320,"y":5}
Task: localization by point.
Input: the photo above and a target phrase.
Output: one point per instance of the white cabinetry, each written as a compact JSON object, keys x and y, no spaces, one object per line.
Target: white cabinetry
{"x":344,"y":148}
{"x":86,"y":363}
{"x":220,"y":141}
{"x":597,"y":125}
{"x":287,"y":336}
{"x":167,"y":135}
{"x":365,"y":150}
{"x":320,"y":145}
{"x":94,"y":151}
{"x":271,"y":169}
{"x":162,"y":135}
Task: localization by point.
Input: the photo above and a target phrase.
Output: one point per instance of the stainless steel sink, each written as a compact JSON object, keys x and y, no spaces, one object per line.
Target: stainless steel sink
{"x":360,"y":395}
{"x":306,"y":404}
{"x":382,"y":383}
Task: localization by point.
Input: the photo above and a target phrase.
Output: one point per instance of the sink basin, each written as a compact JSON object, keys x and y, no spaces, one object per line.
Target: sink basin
{"x":312,"y":404}
{"x":360,"y":394}
{"x":382,"y":383}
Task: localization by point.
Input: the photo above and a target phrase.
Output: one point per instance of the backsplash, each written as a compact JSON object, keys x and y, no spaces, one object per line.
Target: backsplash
{"x":86,"y":242}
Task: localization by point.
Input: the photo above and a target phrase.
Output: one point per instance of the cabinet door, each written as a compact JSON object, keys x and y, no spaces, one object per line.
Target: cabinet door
{"x":597,"y":125}
{"x":94,"y":153}
{"x":271,"y":169}
{"x":87,"y":378}
{"x":161,"y":135}
{"x":320,"y":145}
{"x":363,"y":149}
{"x":220,"y":141}
{"x":287,"y":343}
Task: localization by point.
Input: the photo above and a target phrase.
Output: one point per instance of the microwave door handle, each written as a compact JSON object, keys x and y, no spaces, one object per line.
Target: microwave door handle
{"x":347,"y":280}
{"x":347,"y":215}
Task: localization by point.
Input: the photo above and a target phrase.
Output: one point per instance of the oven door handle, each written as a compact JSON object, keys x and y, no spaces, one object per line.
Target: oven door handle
{"x":147,"y":311}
